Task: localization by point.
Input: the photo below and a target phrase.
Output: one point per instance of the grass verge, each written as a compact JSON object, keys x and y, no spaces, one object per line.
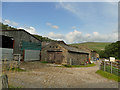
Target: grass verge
{"x":16,"y":69}
{"x":108,"y":75}
{"x":88,"y":65}
{"x":11,"y":87}
{"x":44,"y":62}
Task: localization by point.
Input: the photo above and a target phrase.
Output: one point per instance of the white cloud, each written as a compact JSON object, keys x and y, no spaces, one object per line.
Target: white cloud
{"x":77,"y":36}
{"x":74,"y":27}
{"x":55,"y":27}
{"x":90,"y":11}
{"x":52,"y":26}
{"x":30,"y":29}
{"x":12,"y":23}
{"x":95,"y":33}
{"x":88,"y":35}
{"x":73,"y":36}
{"x":0,"y":19}
{"x":6,"y":22}
{"x":48,"y":24}
{"x":55,"y":36}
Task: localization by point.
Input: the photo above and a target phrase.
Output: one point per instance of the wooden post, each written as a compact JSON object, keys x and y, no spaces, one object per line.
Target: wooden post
{"x":99,"y":66}
{"x":23,"y":55}
{"x":4,"y":81}
{"x":19,"y":58}
{"x":70,"y":61}
{"x":104,"y":65}
{"x":111,"y":67}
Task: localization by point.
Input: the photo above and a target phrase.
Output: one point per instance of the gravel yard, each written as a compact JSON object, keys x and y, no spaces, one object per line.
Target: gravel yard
{"x":39,"y":75}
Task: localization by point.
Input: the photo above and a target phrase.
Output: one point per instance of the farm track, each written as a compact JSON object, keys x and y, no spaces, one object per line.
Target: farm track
{"x":40,"y":75}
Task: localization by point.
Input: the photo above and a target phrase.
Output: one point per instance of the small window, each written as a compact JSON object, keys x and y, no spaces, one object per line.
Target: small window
{"x":50,"y":46}
{"x":53,"y":46}
{"x":56,"y":46}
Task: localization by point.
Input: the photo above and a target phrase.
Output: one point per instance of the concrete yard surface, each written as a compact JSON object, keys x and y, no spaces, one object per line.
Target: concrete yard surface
{"x":39,"y":75}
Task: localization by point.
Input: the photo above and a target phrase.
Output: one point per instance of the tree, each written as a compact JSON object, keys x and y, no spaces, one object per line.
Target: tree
{"x":113,"y":50}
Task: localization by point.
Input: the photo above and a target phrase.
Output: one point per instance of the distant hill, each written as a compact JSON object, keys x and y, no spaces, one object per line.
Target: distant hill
{"x":43,"y":38}
{"x":92,"y":45}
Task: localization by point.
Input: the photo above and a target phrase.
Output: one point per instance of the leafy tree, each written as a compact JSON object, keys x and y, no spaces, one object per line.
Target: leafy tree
{"x":112,"y":50}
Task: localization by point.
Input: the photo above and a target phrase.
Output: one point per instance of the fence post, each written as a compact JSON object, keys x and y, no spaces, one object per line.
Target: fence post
{"x":4,"y":81}
{"x":104,"y":65}
{"x":99,"y":66}
{"x":19,"y":59}
{"x":111,"y":67}
{"x":70,"y":61}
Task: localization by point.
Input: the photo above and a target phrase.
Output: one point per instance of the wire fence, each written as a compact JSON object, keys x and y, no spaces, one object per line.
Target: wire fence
{"x":111,"y":67}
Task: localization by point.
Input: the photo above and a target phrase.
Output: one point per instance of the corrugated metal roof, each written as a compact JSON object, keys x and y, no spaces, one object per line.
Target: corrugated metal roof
{"x":19,"y":31}
{"x":73,"y":49}
{"x":68,"y":47}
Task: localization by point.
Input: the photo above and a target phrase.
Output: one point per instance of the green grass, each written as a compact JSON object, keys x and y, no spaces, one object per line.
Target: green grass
{"x":88,"y":65}
{"x":16,"y":69}
{"x":108,"y":75}
{"x":10,"y":87}
{"x":92,"y":45}
{"x":44,"y":62}
{"x":108,"y":69}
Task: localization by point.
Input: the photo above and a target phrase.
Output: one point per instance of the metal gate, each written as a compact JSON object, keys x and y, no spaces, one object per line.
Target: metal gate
{"x":31,"y":55}
{"x":7,"y":54}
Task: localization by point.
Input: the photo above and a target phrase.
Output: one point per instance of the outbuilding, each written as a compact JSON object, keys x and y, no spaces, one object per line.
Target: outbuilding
{"x":61,"y":53}
{"x":23,"y":43}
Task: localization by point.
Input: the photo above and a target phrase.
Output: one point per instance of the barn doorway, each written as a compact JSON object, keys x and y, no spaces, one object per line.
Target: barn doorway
{"x":55,"y":57}
{"x":7,"y":42}
{"x":31,"y":51}
{"x":6,"y":47}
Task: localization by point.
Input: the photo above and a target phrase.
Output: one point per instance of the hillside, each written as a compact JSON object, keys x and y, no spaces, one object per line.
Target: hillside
{"x":92,"y":45}
{"x":7,"y":27}
{"x":43,"y":38}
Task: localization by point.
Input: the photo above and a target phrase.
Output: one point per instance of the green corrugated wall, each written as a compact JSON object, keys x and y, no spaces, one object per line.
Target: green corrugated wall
{"x":30,"y":46}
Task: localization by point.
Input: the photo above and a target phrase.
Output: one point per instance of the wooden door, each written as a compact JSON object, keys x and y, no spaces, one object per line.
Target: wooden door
{"x":51,"y":57}
{"x":55,"y":57}
{"x":58,"y":57}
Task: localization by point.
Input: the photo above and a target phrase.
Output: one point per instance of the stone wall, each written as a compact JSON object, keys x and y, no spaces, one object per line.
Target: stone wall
{"x":77,"y":58}
{"x":53,"y":47}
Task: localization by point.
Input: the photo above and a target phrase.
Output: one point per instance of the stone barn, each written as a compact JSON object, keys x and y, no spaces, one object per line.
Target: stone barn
{"x":61,"y":53}
{"x":24,"y":44}
{"x":92,"y":53}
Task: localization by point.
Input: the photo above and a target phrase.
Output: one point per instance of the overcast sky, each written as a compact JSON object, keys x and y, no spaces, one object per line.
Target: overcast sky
{"x":72,"y":22}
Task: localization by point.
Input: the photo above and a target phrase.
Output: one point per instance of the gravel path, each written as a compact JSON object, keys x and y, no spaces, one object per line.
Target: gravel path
{"x":44,"y":76}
